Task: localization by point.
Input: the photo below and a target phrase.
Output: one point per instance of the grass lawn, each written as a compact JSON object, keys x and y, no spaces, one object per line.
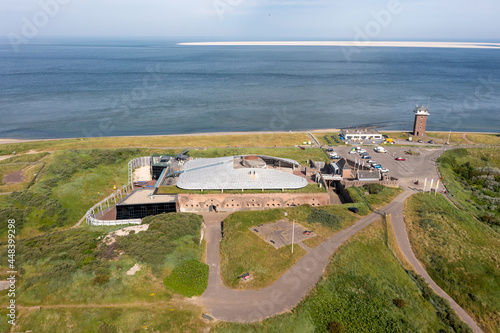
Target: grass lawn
{"x":297,"y":154}
{"x":357,"y":290}
{"x":376,"y":200}
{"x":24,"y":158}
{"x":141,"y":317}
{"x":458,"y":138}
{"x":240,"y":140}
{"x":478,"y":158}
{"x":242,"y":250}
{"x":76,"y":267}
{"x":320,"y":136}
{"x":460,"y":253}
{"x":309,"y":188}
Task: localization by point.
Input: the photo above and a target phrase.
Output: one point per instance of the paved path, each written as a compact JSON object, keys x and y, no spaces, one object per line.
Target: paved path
{"x":398,"y":223}
{"x":255,"y":305}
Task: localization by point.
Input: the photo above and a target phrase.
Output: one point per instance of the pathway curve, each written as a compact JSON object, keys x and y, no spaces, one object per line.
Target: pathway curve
{"x":398,"y":223}
{"x":284,"y":294}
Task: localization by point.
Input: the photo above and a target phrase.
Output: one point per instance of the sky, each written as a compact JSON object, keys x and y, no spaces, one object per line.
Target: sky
{"x":426,"y":20}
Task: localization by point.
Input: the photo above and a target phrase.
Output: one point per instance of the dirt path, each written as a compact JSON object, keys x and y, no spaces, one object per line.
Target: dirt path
{"x":464,"y":136}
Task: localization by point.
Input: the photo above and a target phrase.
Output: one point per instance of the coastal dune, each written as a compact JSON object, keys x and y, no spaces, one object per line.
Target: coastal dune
{"x":455,"y":45}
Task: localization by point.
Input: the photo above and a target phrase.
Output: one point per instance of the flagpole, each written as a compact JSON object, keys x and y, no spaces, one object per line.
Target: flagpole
{"x":430,"y":187}
{"x":293,"y":234}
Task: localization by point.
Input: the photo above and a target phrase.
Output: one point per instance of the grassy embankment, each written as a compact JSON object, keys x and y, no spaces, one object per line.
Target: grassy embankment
{"x":65,"y":270}
{"x":239,"y":140}
{"x":358,"y":292}
{"x":320,"y":136}
{"x":310,"y":188}
{"x":472,"y":176}
{"x":242,"y":250}
{"x":70,"y":183}
{"x":26,"y":166}
{"x":375,"y":195}
{"x":456,"y":138}
{"x":460,"y":253}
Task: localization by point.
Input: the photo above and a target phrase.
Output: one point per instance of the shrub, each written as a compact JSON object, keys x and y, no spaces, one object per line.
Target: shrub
{"x":100,"y":279}
{"x":325,"y":218}
{"x":188,"y":279}
{"x":399,"y":302}
{"x":336,"y":327}
{"x":374,"y":188}
{"x":107,"y":328}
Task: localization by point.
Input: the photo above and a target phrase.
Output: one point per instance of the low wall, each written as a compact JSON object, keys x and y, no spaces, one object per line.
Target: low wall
{"x":194,"y":203}
{"x":357,"y":183}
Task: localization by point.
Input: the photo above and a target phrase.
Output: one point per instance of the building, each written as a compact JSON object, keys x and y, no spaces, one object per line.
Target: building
{"x":421,"y":113}
{"x":360,"y":134}
{"x":144,"y":202}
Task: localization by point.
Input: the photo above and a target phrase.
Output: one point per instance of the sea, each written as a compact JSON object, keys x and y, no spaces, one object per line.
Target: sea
{"x":83,"y":87}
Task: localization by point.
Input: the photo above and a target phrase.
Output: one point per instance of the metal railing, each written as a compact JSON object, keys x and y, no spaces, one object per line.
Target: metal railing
{"x":105,"y":205}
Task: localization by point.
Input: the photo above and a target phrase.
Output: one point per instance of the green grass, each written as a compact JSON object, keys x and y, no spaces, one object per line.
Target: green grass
{"x":75,"y":266}
{"x":239,"y":140}
{"x":309,"y":188}
{"x":460,"y":253}
{"x":297,"y":154}
{"x":27,"y":158}
{"x":376,"y":200}
{"x":188,"y":279}
{"x":148,"y":317}
{"x":320,"y":136}
{"x":358,"y":290}
{"x":242,"y":250}
{"x":462,"y":194}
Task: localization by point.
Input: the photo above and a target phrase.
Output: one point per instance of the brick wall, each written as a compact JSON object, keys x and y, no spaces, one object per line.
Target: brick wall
{"x":236,"y":202}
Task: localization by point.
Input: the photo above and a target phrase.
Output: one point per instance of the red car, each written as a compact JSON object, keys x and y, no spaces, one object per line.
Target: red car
{"x":400,"y":158}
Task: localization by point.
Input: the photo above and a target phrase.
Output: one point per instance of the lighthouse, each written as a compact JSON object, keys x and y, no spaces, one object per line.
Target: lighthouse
{"x":421,"y":113}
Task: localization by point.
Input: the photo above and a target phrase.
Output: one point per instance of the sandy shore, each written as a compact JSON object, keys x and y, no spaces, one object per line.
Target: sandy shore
{"x":454,"y":45}
{"x":7,"y":140}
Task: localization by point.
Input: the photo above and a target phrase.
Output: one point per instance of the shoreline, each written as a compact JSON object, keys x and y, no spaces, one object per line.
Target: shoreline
{"x":17,"y":140}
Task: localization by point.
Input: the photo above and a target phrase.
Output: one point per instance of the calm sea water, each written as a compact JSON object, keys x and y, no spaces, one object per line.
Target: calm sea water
{"x":75,"y":88}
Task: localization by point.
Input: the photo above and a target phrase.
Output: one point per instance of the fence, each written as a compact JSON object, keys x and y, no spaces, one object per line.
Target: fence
{"x":102,"y":207}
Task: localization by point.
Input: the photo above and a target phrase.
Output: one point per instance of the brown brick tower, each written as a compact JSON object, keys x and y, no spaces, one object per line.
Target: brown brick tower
{"x":421,"y":113}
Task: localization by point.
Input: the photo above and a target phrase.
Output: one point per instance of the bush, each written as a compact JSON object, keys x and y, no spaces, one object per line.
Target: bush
{"x":188,"y":279}
{"x":399,"y":302}
{"x":336,"y":327}
{"x":374,"y":188}
{"x":107,"y":328}
{"x":325,"y":218}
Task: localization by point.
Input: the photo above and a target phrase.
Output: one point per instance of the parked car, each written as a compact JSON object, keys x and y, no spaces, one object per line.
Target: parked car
{"x":384,"y":170}
{"x":362,"y":151}
{"x":303,"y":148}
{"x":366,"y":157}
{"x":352,"y":152}
{"x":420,"y":141}
{"x":363,"y":154}
{"x":329,"y":149}
{"x":399,"y":158}
{"x":334,"y":156}
{"x":431,"y":141}
{"x":373,"y":163}
{"x":353,"y":209}
{"x":378,"y":166}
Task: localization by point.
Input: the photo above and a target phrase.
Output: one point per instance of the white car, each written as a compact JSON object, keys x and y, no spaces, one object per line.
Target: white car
{"x":361,"y":151}
{"x":372,"y":162}
{"x":352,"y":152}
{"x":384,"y":170}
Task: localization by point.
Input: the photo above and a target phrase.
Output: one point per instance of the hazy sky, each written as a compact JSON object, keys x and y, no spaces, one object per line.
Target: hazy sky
{"x":255,"y":19}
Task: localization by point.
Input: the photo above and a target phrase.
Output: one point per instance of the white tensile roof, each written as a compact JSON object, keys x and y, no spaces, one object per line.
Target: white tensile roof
{"x":219,"y":173}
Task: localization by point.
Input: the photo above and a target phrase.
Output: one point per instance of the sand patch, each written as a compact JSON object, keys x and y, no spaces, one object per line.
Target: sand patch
{"x":111,"y":237}
{"x":142,"y":174}
{"x":14,"y":178}
{"x":136,"y":268}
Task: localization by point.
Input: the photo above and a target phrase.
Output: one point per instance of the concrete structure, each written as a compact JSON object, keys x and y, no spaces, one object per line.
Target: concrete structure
{"x":240,"y":173}
{"x":421,"y":113}
{"x":360,"y":134}
{"x":235,"y":202}
{"x":143,"y":202}
{"x":368,"y":175}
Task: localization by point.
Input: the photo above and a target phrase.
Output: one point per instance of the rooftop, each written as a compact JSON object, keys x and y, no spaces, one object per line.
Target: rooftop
{"x":143,"y":196}
{"x":220,"y":174}
{"x":359,"y":131}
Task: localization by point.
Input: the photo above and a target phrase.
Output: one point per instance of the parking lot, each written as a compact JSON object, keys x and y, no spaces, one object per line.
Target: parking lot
{"x":415,"y":167}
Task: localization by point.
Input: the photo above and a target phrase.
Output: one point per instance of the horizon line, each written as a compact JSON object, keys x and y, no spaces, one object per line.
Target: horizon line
{"x":456,"y":45}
